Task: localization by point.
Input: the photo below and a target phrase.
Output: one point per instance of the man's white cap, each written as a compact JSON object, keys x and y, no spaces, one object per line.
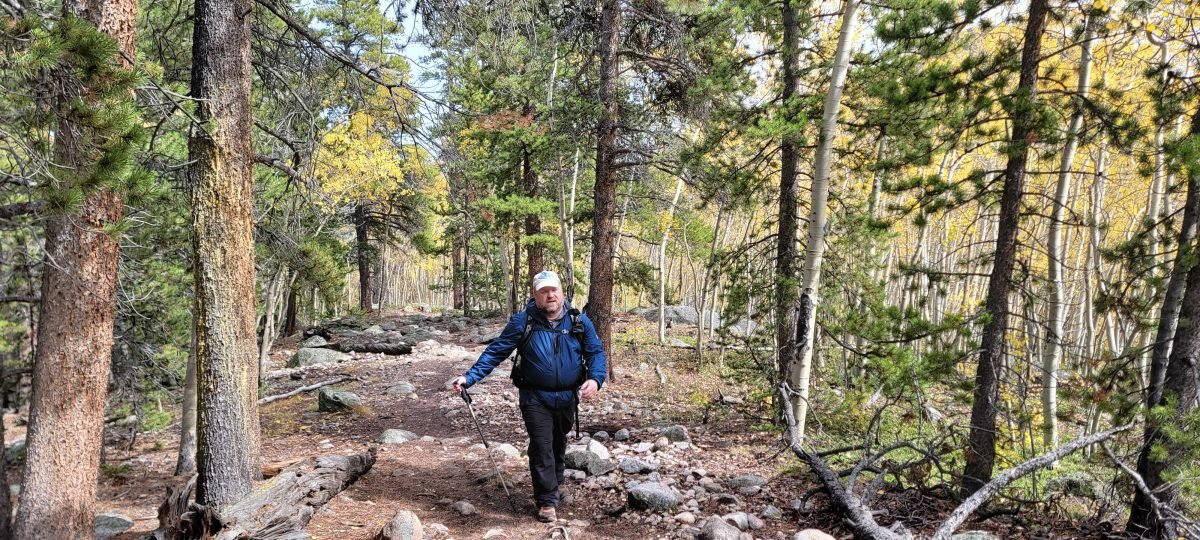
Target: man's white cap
{"x":546,"y":278}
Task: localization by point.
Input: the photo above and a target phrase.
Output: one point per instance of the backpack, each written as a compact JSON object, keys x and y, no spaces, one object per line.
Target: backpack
{"x":578,"y":330}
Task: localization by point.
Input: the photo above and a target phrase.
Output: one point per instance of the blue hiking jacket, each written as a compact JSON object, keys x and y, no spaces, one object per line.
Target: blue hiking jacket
{"x":554,"y":358}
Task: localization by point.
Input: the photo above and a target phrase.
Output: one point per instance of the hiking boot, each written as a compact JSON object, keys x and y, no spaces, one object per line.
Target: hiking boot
{"x":547,"y":514}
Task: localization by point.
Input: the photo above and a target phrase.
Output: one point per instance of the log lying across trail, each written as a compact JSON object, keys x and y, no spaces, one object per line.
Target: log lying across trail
{"x":277,"y":509}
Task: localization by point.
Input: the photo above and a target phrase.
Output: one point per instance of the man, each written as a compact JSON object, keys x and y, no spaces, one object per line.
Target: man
{"x":558,"y":354}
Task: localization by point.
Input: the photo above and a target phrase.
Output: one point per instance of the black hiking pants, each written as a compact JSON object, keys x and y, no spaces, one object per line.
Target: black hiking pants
{"x":547,"y":445}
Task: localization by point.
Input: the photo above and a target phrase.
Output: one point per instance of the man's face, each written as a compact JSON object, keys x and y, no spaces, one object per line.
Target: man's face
{"x":549,"y":300}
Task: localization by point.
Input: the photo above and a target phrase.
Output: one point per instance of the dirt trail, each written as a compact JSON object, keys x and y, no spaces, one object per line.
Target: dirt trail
{"x":445,"y":465}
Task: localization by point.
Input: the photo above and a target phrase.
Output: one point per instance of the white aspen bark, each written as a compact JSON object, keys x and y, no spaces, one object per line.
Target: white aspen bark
{"x":1094,"y":264}
{"x":1053,"y":346}
{"x":799,"y":376}
{"x":662,"y":262}
{"x":268,"y":330}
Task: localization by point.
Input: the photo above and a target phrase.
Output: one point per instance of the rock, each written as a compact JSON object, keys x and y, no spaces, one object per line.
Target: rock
{"x":621,"y":435}
{"x":586,"y":460}
{"x":711,"y":485}
{"x":402,"y":388}
{"x":508,"y":450}
{"x":642,"y":448}
{"x":737,"y":519}
{"x":488,"y":338}
{"x":314,"y":342}
{"x":376,"y":329}
{"x":496,"y":532}
{"x":404,"y":526}
{"x":463,"y":507}
{"x":458,"y":325}
{"x":686,"y":518}
{"x":311,"y":357}
{"x":1078,"y":484}
{"x":661,"y":444}
{"x":675,"y":434}
{"x":975,"y":535}
{"x":635,"y":466}
{"x":110,"y":524}
{"x":397,"y":436}
{"x":717,"y":529}
{"x":679,"y":315}
{"x":437,"y":530}
{"x":750,"y":480}
{"x":728,"y":498}
{"x":755,"y":522}
{"x":679,"y":343}
{"x":596,"y":448}
{"x":653,"y":496}
{"x":601,"y":436}
{"x":772,"y":512}
{"x":812,"y":534}
{"x":426,"y":344}
{"x":749,"y":490}
{"x":330,"y":400}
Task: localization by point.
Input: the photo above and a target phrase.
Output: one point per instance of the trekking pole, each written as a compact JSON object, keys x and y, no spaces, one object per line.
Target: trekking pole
{"x":503,"y":482}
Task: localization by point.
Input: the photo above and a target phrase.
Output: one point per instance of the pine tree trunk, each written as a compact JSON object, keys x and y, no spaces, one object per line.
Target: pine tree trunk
{"x":786,"y":252}
{"x":222,"y":211}
{"x":600,"y":291}
{"x":1052,"y":353}
{"x":1173,"y":377}
{"x":799,"y":374}
{"x":981,"y":441}
{"x":362,"y":257}
{"x":75,"y":333}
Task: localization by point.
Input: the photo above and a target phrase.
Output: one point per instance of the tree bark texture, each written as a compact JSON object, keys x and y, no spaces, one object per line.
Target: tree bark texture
{"x":186,"y":462}
{"x":600,"y":291}
{"x":75,"y":333}
{"x":1173,"y":383}
{"x":222,"y":203}
{"x":981,"y":441}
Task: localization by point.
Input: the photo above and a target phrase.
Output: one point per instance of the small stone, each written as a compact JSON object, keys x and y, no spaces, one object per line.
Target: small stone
{"x":642,"y":448}
{"x":463,"y":507}
{"x":402,"y":388}
{"x":376,"y":329}
{"x":683,"y":445}
{"x":396,"y":436}
{"x":330,"y":400}
{"x":747,"y":480}
{"x":621,"y":435}
{"x":601,"y":436}
{"x":686,"y":518}
{"x":675,"y":433}
{"x":975,"y":535}
{"x":661,"y":444}
{"x":749,"y":490}
{"x":737,"y":519}
{"x":495,"y":533}
{"x":728,"y":498}
{"x":635,"y":466}
{"x":812,"y":534}
{"x":596,"y":448}
{"x":404,"y":526}
{"x":772,"y":512}
{"x":755,"y":522}
{"x":717,"y":529}
{"x":110,"y":524}
{"x":508,"y":451}
{"x":313,"y":342}
{"x":437,"y":530}
{"x":653,"y":496}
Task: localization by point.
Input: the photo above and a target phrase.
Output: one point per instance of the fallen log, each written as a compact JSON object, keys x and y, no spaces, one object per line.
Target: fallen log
{"x":302,"y":390}
{"x":276,"y":509}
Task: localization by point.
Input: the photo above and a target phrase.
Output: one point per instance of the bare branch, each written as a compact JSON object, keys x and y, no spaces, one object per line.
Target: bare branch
{"x":302,"y":390}
{"x":20,"y":209}
{"x":26,"y":298}
{"x":990,"y":489}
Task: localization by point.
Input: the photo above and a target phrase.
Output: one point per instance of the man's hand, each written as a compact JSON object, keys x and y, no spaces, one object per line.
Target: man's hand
{"x":460,"y":384}
{"x":589,"y":389}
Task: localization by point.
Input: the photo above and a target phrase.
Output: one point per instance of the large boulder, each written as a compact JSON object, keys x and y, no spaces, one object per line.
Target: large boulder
{"x":404,"y":525}
{"x":330,"y":400}
{"x":110,"y":524}
{"x":310,"y":356}
{"x":653,"y":496}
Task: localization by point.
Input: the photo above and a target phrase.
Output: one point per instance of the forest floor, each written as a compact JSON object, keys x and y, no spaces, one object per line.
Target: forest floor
{"x":444,"y":466}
